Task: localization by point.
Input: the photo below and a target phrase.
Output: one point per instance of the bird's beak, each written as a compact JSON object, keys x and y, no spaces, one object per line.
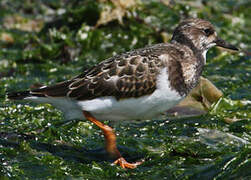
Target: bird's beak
{"x":221,"y":43}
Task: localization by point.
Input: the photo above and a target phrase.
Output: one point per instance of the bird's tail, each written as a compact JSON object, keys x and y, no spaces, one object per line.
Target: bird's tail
{"x":18,"y":95}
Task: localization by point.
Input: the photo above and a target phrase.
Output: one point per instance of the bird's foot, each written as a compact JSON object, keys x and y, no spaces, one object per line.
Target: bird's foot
{"x":124,"y":164}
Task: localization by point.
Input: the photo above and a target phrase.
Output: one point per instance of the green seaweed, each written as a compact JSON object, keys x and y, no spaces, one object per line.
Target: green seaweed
{"x":36,"y":142}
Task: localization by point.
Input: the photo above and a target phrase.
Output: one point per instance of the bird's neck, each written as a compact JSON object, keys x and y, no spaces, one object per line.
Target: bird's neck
{"x":183,"y":40}
{"x":192,"y":64}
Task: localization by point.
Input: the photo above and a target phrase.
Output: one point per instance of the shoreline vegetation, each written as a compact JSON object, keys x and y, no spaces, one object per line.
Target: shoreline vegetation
{"x":43,"y":42}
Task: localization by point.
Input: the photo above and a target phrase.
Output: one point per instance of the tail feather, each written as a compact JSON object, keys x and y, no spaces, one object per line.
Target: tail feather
{"x":18,"y":95}
{"x":57,"y":90}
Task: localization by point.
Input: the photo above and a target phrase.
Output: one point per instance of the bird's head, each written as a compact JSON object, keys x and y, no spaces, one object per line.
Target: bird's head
{"x":199,"y":34}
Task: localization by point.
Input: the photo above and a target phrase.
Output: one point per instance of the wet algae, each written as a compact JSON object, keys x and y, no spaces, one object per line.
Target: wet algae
{"x":44,"y":42}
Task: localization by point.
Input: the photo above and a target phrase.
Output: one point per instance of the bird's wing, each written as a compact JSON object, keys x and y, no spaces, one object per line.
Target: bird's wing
{"x":128,"y":75}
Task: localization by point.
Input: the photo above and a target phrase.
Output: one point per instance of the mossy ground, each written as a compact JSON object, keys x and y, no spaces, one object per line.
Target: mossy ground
{"x":33,"y":144}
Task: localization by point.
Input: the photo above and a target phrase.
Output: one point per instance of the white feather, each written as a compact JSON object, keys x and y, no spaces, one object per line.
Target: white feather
{"x":204,"y":55}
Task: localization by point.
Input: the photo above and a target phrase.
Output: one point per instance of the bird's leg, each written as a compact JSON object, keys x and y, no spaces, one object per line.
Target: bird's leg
{"x":110,"y":138}
{"x":110,"y":142}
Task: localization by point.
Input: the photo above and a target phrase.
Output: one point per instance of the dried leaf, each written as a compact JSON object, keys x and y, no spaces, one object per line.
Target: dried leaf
{"x":21,"y":23}
{"x":117,"y":12}
{"x":7,"y":38}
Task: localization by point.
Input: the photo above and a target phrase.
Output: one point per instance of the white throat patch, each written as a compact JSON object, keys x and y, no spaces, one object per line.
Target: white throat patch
{"x":204,"y":54}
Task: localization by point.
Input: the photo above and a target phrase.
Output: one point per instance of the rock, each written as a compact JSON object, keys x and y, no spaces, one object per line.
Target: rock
{"x":198,"y":101}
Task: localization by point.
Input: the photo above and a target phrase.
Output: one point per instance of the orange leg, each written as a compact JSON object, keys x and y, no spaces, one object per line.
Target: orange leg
{"x":110,"y":142}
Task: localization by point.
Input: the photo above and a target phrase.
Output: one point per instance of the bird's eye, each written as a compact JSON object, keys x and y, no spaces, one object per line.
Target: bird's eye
{"x":208,"y":32}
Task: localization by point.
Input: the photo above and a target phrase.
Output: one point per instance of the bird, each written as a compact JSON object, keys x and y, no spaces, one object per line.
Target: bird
{"x":136,"y":85}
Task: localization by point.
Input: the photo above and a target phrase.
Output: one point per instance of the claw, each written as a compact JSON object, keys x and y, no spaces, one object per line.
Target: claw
{"x":124,"y":164}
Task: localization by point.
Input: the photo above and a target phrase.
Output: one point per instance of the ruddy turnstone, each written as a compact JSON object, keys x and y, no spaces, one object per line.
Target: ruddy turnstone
{"x":139,"y":84}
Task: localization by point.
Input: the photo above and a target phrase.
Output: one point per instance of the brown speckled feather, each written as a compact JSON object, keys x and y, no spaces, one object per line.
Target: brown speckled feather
{"x":132,"y":74}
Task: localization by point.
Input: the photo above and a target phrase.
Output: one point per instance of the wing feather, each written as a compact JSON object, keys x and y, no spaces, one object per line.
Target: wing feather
{"x":131,"y":74}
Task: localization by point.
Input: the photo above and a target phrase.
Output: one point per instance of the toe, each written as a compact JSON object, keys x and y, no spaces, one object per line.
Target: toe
{"x":124,"y":164}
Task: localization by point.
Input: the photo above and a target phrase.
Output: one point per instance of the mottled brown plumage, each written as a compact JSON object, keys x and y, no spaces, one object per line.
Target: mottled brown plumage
{"x":132,"y":74}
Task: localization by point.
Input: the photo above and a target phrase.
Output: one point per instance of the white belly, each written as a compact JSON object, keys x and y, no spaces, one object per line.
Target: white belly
{"x":147,"y":107}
